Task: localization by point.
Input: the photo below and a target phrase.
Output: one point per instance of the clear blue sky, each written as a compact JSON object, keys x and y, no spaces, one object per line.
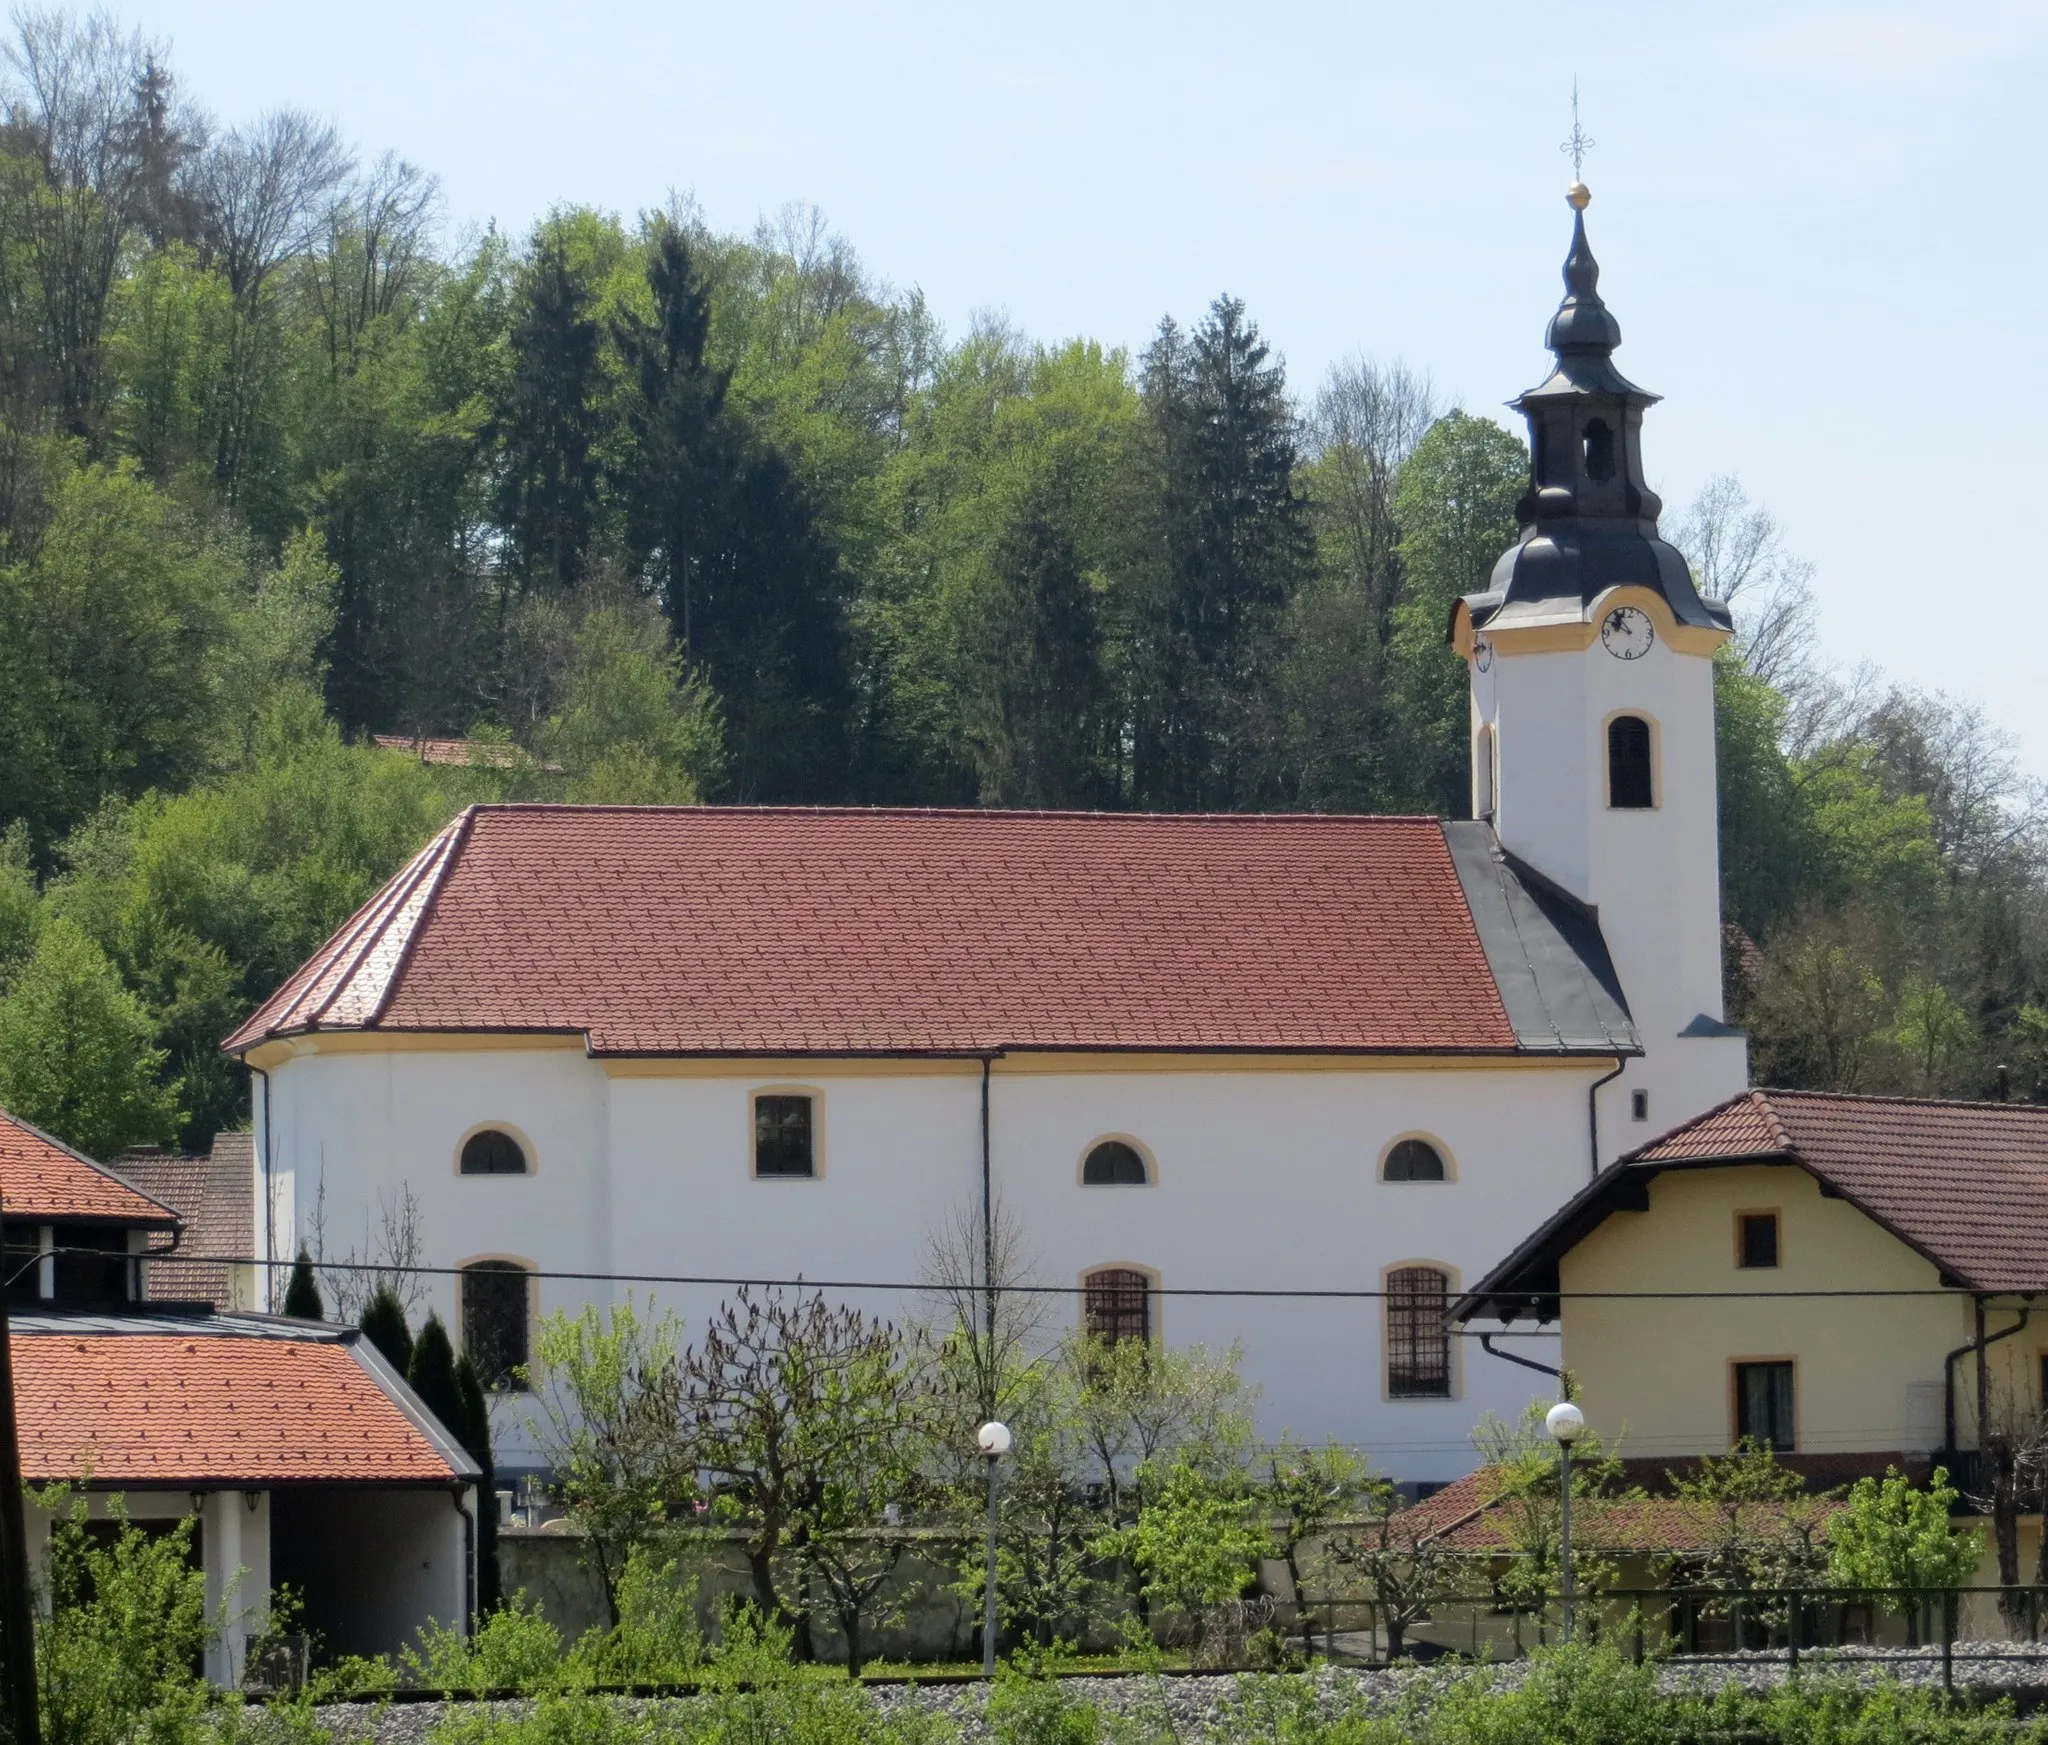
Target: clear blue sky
{"x":1821,"y":226}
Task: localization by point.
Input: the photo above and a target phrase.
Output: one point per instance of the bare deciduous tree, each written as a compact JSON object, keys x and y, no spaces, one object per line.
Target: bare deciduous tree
{"x":1739,"y":556}
{"x":1367,"y":419}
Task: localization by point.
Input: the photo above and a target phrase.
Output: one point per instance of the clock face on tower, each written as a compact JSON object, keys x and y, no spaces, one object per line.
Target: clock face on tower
{"x":1628,"y":633}
{"x":1482,"y":654}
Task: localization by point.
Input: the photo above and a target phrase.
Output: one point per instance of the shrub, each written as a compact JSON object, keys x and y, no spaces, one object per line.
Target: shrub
{"x":119,"y":1655}
{"x":513,"y":1649}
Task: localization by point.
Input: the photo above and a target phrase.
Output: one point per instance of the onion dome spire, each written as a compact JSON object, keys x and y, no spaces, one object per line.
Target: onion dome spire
{"x":1589,"y":517}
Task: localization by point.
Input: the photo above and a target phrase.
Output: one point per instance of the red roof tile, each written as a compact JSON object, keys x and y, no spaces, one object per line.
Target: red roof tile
{"x":176,"y":1408}
{"x":1964,"y":1183}
{"x":767,"y":931}
{"x":42,"y":1178}
{"x":215,"y":1198}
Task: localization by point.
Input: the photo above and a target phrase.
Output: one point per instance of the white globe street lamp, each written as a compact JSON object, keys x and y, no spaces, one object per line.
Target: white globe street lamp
{"x":1566,"y":1424}
{"x":992,"y":1442}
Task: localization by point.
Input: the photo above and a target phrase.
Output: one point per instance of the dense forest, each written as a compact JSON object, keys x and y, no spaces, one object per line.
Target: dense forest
{"x":655,"y":513}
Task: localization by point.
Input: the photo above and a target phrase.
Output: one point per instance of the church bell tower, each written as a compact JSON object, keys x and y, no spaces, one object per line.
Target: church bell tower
{"x":1591,"y":658}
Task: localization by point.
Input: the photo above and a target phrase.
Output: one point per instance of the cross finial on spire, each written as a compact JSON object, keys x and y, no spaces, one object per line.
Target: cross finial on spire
{"x":1579,"y":144}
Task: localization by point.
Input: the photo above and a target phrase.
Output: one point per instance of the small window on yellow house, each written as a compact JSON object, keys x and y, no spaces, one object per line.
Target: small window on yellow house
{"x":1756,"y":1239}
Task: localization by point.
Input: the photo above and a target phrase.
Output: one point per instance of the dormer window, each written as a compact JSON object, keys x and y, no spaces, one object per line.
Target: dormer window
{"x":493,"y":1151}
{"x":1631,"y":784}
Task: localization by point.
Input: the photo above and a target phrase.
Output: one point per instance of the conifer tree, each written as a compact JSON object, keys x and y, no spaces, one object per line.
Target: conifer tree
{"x":1234,"y":545}
{"x":550,"y":425}
{"x":302,"y":1294}
{"x":383,"y":1324}
{"x":431,"y":1374}
{"x":753,"y":587}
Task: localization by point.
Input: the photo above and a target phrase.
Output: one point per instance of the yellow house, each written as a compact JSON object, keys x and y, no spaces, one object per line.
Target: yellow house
{"x":1848,"y":1279}
{"x":1853,"y":1281}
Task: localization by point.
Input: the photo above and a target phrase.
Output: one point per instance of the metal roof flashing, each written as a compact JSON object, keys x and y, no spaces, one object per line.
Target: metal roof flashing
{"x":1544,"y":947}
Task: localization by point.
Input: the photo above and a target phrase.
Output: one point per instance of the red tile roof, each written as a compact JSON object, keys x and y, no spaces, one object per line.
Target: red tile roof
{"x":768,"y":931}
{"x":1964,"y":1184}
{"x":44,"y":1179}
{"x":215,"y":1197}
{"x":156,"y":1408}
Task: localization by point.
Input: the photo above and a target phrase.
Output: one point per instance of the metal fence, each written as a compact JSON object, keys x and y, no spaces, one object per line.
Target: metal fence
{"x":1964,"y":1633}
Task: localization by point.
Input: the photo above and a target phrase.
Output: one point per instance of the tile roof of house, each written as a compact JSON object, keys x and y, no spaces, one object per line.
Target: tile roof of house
{"x":215,"y":1197}
{"x":1963,"y":1184}
{"x":492,"y":753}
{"x":42,"y":1178}
{"x":780,"y":931}
{"x":1614,"y":1525}
{"x":146,"y":1400}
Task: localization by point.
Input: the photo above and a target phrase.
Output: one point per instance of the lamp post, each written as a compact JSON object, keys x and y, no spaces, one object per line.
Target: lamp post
{"x":1565,"y":1422}
{"x":993,"y":1440}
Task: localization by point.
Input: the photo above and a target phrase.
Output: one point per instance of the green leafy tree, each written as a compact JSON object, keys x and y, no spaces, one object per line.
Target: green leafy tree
{"x":118,"y":1649}
{"x":602,"y":1415}
{"x":1403,"y":1564}
{"x":109,"y":623}
{"x":1308,"y":1490}
{"x":1454,"y":499}
{"x":634,"y":728}
{"x":1195,"y":1545}
{"x":76,"y":1049}
{"x":302,"y":1291}
{"x":1756,"y":1524}
{"x":1895,"y":1535}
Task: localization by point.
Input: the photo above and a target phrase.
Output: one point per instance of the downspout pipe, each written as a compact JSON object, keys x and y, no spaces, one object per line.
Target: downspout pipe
{"x":1976,"y":1343}
{"x":469,"y":1550}
{"x":269,"y":1202}
{"x":988,"y":1210}
{"x":1487,"y":1345}
{"x":1593,"y":1109}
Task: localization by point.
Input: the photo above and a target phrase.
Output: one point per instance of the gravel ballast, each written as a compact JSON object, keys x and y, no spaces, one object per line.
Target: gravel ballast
{"x":1197,"y":1706}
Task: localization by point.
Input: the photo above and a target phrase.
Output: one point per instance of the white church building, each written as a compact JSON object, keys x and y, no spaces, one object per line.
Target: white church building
{"x":1182,"y":1055}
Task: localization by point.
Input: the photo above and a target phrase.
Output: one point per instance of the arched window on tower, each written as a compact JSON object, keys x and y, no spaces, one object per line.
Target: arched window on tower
{"x":1599,"y":451}
{"x":1482,"y":773}
{"x":1631,"y":785}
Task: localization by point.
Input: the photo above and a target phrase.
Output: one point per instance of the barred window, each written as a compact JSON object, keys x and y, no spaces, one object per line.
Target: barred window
{"x":1117,"y":1305}
{"x":1418,"y":1333}
{"x":497,"y":1298}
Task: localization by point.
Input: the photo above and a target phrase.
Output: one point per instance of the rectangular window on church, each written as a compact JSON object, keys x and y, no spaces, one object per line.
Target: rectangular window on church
{"x":783,"y":1136}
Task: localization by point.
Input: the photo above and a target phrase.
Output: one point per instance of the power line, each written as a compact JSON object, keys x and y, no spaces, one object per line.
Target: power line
{"x":978,"y":1288}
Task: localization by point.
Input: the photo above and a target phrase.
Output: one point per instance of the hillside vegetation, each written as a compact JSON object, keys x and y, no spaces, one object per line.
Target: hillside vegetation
{"x":671,"y":514}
